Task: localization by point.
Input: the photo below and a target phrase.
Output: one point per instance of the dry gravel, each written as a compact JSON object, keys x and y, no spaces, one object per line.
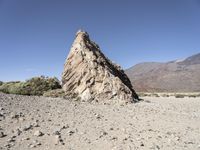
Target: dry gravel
{"x":56,"y":124}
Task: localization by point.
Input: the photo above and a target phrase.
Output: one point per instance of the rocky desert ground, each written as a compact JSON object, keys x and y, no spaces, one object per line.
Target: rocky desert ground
{"x":31,"y":122}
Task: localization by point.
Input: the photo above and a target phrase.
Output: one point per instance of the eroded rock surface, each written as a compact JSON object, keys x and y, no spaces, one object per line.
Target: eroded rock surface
{"x":91,"y":76}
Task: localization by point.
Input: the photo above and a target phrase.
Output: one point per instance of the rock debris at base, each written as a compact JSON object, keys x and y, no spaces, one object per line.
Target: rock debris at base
{"x":162,"y":123}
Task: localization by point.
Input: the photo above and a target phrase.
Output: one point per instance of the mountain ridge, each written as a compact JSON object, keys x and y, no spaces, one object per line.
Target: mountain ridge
{"x":172,"y":76}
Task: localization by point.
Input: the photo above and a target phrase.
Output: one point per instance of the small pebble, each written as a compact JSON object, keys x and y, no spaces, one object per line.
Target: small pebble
{"x":2,"y":135}
{"x":71,"y":133}
{"x":38,"y":133}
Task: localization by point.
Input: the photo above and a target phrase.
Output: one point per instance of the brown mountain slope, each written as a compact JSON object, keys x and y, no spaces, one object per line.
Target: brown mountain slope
{"x":174,"y":76}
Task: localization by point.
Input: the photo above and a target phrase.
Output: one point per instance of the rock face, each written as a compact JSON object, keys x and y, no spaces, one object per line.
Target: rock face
{"x":89,"y":75}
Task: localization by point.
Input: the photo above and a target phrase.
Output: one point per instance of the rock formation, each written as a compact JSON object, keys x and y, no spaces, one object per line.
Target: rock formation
{"x":91,"y":76}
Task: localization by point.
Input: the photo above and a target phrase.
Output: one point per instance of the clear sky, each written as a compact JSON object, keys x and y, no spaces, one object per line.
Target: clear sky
{"x":36,"y":35}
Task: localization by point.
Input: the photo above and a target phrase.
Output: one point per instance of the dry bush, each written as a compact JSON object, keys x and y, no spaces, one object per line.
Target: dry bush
{"x":179,"y":95}
{"x":198,"y":95}
{"x":10,"y":87}
{"x":154,"y":95}
{"x":54,"y":93}
{"x":193,"y":96}
{"x":33,"y":86}
{"x":142,"y":94}
{"x":164,"y":95}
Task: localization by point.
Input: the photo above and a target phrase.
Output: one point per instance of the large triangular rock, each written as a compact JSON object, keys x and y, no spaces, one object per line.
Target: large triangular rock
{"x":90,"y":75}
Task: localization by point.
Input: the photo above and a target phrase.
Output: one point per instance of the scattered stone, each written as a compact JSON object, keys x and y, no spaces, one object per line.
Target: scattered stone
{"x":103,"y":133}
{"x":2,"y":134}
{"x":12,"y":139}
{"x":58,"y":140}
{"x":38,"y":133}
{"x":114,"y":138}
{"x":189,"y":142}
{"x":35,"y":144}
{"x":111,"y":129}
{"x":56,"y":133}
{"x":98,"y":116}
{"x":16,"y":115}
{"x":17,"y":132}
{"x":120,"y":119}
{"x":21,"y":119}
{"x":25,"y":139}
{"x":57,"y":124}
{"x":8,"y":145}
{"x":155,"y":147}
{"x":177,"y":138}
{"x":65,"y":127}
{"x":32,"y":146}
{"x":27,"y":127}
{"x":142,"y":144}
{"x":35,"y":124}
{"x":2,"y":115}
{"x":71,"y":133}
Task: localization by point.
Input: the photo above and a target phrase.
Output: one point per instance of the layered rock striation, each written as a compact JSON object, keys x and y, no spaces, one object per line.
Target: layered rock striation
{"x":91,"y":76}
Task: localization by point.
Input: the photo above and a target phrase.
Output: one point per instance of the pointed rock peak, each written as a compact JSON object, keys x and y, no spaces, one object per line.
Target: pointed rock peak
{"x":91,"y":76}
{"x":80,"y":31}
{"x":82,"y":35}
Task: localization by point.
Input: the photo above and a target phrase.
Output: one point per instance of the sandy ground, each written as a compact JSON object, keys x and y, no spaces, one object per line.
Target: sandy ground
{"x":56,"y":124}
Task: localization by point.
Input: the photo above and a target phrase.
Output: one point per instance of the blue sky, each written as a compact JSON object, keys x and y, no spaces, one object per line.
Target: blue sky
{"x":36,"y":35}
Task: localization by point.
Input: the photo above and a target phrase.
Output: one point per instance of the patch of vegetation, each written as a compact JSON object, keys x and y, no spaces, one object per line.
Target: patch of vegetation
{"x":193,"y":96}
{"x":198,"y":95}
{"x":164,"y":95}
{"x":179,"y":95}
{"x":154,"y":95}
{"x":33,"y":86}
{"x":142,"y":94}
{"x":54,"y":93}
{"x":1,"y":83}
{"x":148,"y":94}
{"x":9,"y":87}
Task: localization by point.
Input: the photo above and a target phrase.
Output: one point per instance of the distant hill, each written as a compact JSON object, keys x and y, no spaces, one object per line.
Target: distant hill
{"x":173,"y":76}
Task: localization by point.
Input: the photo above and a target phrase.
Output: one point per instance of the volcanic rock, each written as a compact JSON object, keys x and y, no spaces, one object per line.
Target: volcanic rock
{"x":182,"y":75}
{"x":89,"y":75}
{"x":38,"y":133}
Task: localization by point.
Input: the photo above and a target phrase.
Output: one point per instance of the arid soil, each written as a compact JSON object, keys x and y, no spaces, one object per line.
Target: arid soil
{"x":175,"y":76}
{"x":57,"y":124}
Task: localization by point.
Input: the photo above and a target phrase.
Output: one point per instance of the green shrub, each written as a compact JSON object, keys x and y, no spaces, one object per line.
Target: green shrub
{"x":198,"y":95}
{"x":1,"y":83}
{"x":179,"y":95}
{"x":142,"y":94}
{"x":33,"y":86}
{"x":38,"y":85}
{"x":164,"y":95}
{"x":154,"y":95}
{"x":193,"y":96}
{"x":7,"y":87}
{"x":54,"y":93}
